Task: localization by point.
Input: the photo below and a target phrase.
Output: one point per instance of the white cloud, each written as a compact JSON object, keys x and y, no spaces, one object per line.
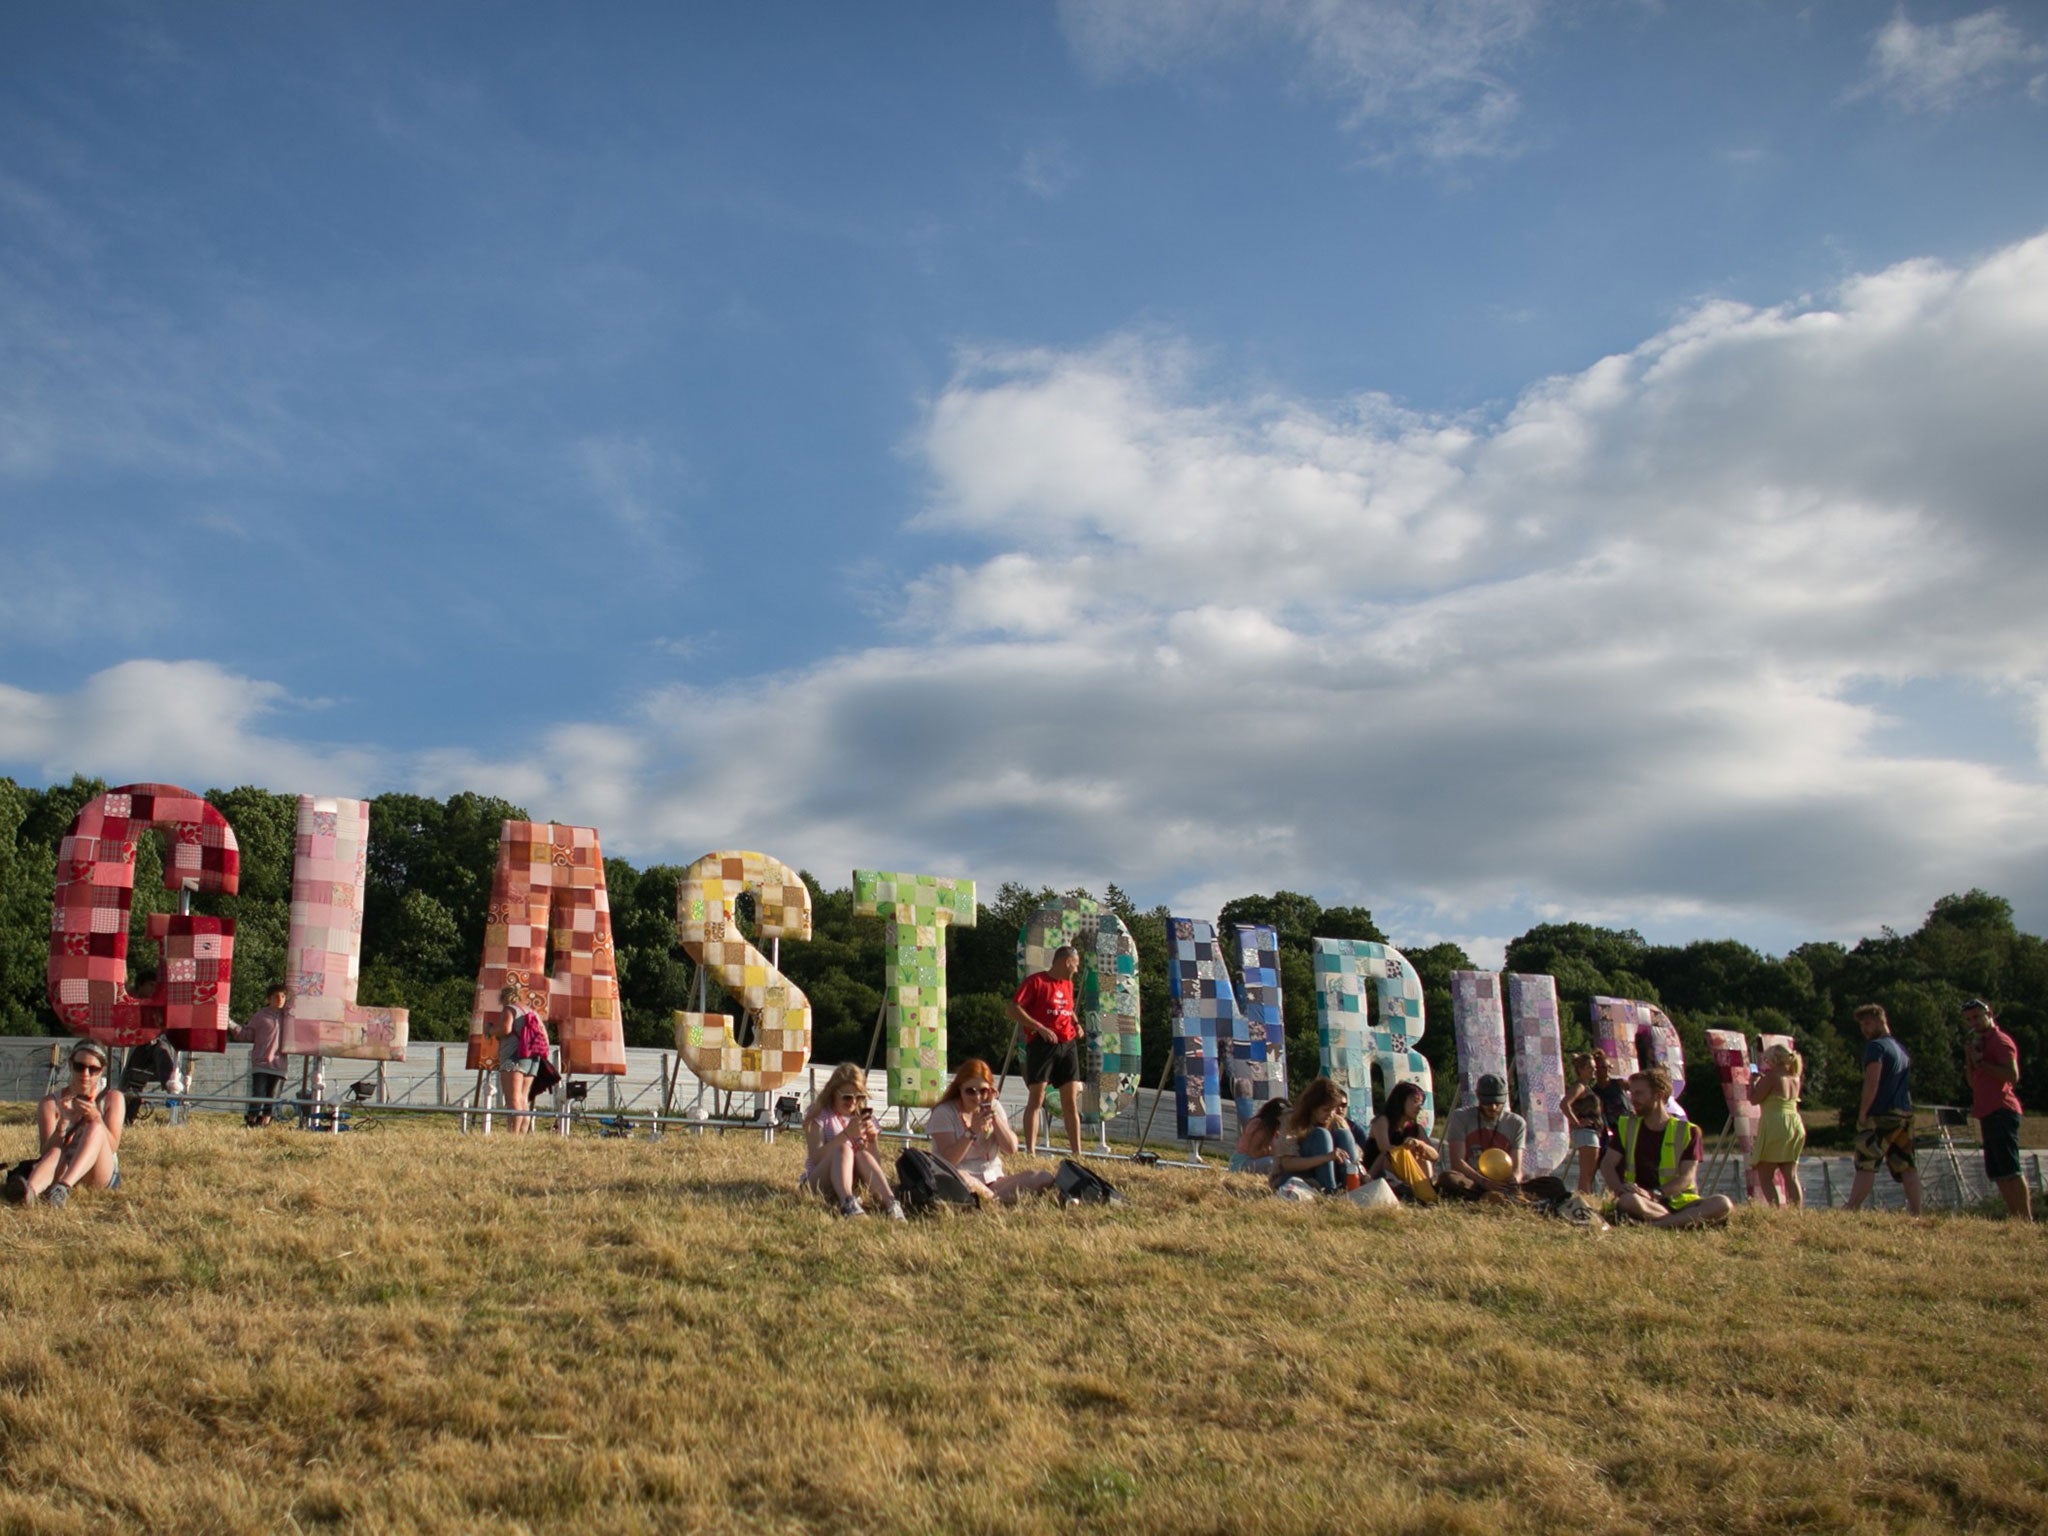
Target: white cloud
{"x":1937,"y":68}
{"x":1608,"y":655}
{"x":1426,"y":76}
{"x":183,"y":722}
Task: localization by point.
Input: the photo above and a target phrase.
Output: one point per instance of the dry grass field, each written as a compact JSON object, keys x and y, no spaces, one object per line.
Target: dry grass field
{"x":412,"y":1330}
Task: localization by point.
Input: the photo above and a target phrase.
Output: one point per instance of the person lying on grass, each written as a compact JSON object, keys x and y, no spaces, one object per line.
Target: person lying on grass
{"x":1314,"y":1142}
{"x":840,"y":1135}
{"x":1396,"y":1147}
{"x":78,"y":1135}
{"x":1651,"y":1167}
{"x":1254,"y":1152}
{"x":969,"y":1129}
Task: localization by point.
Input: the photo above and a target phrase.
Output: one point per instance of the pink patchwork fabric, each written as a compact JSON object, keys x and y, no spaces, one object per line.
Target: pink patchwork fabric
{"x":88,"y":966}
{"x":330,"y":862}
{"x":549,"y":888}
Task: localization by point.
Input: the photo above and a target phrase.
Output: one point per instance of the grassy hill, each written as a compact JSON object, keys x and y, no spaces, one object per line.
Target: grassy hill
{"x":412,"y":1330}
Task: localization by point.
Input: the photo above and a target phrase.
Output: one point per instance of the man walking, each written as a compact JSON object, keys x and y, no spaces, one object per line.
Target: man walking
{"x":1044,"y":1009}
{"x":1993,"y":1061}
{"x":1884,"y":1115}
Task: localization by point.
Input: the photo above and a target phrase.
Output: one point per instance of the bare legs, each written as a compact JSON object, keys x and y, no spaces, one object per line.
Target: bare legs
{"x":1780,"y":1184}
{"x":1070,"y":1111}
{"x":1862,"y":1184}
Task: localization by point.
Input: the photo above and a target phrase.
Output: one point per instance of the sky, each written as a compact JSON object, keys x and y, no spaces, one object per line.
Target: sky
{"x":1493,"y":461}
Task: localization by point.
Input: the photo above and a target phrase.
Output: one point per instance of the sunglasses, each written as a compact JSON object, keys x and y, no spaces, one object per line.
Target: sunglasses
{"x":978,"y":1093}
{"x":87,"y":1065}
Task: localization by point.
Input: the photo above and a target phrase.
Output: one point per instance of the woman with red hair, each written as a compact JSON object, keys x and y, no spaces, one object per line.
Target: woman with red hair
{"x":969,"y":1129}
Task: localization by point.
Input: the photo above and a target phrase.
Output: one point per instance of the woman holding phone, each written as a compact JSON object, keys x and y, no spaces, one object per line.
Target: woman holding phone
{"x":840,"y":1136}
{"x":78,"y":1131}
{"x":969,"y":1129}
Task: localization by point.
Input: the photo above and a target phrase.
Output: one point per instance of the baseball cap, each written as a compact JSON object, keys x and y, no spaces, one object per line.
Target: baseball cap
{"x":1492,"y":1090}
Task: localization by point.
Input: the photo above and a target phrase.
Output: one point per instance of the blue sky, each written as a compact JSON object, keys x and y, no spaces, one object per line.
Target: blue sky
{"x":1491,"y":461}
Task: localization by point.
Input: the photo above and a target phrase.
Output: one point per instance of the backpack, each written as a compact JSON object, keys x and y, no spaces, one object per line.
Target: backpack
{"x":925,"y":1181}
{"x":1084,"y":1186}
{"x":533,"y":1036}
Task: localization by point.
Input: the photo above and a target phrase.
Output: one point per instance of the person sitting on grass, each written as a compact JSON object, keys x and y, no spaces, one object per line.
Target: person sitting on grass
{"x":969,"y":1129}
{"x":1489,"y":1126}
{"x":78,"y":1135}
{"x":1582,"y":1112}
{"x":1656,"y":1155}
{"x":1780,"y":1133}
{"x":840,"y":1136}
{"x":1254,"y":1152}
{"x":1396,"y":1149}
{"x":1314,"y":1143}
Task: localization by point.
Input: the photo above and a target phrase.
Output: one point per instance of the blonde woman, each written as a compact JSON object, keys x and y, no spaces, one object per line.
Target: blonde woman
{"x":1584,"y":1114}
{"x":1781,"y":1135}
{"x":78,"y":1135}
{"x":840,"y":1136}
{"x":522,"y":1043}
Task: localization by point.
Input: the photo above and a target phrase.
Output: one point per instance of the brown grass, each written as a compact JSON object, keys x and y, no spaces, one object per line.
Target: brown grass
{"x":410,"y":1330}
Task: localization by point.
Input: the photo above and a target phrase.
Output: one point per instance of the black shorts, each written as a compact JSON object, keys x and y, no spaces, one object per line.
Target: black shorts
{"x":1045,"y":1062}
{"x":2001,"y":1145}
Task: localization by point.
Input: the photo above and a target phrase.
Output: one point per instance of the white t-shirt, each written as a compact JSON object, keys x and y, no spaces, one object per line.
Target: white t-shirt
{"x":981,"y":1161}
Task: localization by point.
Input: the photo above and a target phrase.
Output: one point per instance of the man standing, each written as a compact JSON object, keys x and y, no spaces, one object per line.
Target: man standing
{"x":1884,"y":1116}
{"x":1654,"y":1158}
{"x":264,"y":1035}
{"x":1993,"y":1061}
{"x":1489,"y":1125}
{"x":1044,"y":1009}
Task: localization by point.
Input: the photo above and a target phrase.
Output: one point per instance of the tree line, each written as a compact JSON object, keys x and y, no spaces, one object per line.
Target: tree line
{"x":431,"y":863}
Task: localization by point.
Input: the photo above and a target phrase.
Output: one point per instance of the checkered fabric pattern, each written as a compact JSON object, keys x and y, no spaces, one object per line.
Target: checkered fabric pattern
{"x":1731,"y":1060}
{"x":1351,"y":1046}
{"x":1621,"y":1025}
{"x":1205,"y":1015}
{"x":1539,"y":1068}
{"x":330,"y":859}
{"x":707,"y":928}
{"x":1480,"y":1026}
{"x":549,"y":888}
{"x":95,"y":891}
{"x":1257,"y":1061}
{"x":1105,"y":996}
{"x":916,"y":910}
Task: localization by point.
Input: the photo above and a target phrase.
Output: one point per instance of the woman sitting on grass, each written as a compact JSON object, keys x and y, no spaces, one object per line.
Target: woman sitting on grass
{"x":1781,"y":1134}
{"x":839,"y":1133}
{"x":1314,"y":1143}
{"x":970,"y":1130}
{"x":1396,"y":1146}
{"x":78,"y":1131}
{"x":1254,"y":1152}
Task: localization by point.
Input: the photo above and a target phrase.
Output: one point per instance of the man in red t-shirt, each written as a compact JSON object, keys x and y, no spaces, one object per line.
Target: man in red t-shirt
{"x":1993,"y":1061}
{"x":1044,"y":1009}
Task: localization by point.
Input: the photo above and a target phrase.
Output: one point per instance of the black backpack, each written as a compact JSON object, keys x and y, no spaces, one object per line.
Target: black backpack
{"x":1084,"y":1186}
{"x":925,"y":1181}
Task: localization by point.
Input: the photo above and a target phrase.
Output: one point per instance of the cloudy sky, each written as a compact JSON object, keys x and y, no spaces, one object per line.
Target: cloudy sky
{"x":1491,"y":460}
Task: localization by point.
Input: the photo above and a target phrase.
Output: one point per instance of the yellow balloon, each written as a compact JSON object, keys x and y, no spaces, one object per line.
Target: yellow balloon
{"x":1495,"y":1164}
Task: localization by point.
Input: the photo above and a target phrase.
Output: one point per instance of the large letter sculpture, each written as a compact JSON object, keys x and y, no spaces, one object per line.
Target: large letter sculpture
{"x":1350,"y":1047}
{"x":1105,"y":996}
{"x":1257,"y":1063}
{"x":918,"y":909}
{"x":1205,"y":1014}
{"x":550,"y":883}
{"x":1622,"y":1027}
{"x":88,"y":968}
{"x":1539,"y":1058}
{"x":1731,"y":1061}
{"x":708,"y":929}
{"x":330,"y":857}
